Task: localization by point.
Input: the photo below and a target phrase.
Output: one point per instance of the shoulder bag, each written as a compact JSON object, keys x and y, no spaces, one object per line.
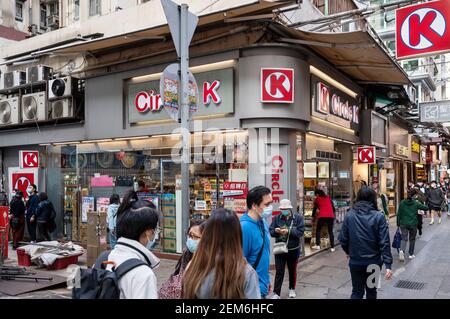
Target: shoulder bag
{"x":282,"y":247}
{"x":258,"y":258}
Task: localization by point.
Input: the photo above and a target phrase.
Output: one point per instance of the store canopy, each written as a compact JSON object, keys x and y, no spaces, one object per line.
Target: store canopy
{"x":143,"y":22}
{"x":355,"y":53}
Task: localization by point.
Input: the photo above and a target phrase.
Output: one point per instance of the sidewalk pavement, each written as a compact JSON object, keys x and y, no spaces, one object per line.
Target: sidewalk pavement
{"x":326,"y":275}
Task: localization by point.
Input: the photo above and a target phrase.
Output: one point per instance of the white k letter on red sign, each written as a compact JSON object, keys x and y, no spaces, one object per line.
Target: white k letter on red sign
{"x":366,"y":155}
{"x":210,"y":92}
{"x":277,"y":85}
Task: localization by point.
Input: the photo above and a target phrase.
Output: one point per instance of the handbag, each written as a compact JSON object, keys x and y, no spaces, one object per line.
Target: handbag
{"x":172,"y":288}
{"x":396,"y":243}
{"x":282,"y":247}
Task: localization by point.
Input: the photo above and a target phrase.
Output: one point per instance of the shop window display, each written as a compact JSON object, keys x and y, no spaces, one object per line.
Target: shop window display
{"x":92,"y":172}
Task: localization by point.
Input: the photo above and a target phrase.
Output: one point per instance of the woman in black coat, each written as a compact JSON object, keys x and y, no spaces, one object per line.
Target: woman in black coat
{"x":17,"y":217}
{"x":287,"y":227}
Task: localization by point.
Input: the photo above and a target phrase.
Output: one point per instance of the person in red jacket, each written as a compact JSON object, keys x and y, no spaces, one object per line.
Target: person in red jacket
{"x":326,"y":216}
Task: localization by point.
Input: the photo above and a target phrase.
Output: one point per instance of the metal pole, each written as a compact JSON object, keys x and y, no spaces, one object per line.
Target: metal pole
{"x":184,"y":105}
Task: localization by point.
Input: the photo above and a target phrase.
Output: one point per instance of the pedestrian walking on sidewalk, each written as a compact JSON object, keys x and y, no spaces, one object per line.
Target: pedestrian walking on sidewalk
{"x":382,"y":200}
{"x":32,"y":204}
{"x":17,"y":217}
{"x":114,"y":203}
{"x":326,"y":217}
{"x":136,"y":230}
{"x":256,"y":236}
{"x":407,"y":221}
{"x":365,"y":239}
{"x":218,"y":269}
{"x":172,"y":288}
{"x":287,"y":228}
{"x":420,"y":196}
{"x":44,"y":218}
{"x":435,"y":200}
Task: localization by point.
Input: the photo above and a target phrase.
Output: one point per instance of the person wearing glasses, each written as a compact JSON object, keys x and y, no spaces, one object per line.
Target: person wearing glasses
{"x":172,"y":288}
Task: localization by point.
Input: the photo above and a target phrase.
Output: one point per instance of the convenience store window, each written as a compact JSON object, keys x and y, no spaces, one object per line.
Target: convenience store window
{"x":92,"y":172}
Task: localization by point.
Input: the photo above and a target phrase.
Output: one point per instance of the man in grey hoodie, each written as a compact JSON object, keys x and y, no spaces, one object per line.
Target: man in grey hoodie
{"x":435,"y":199}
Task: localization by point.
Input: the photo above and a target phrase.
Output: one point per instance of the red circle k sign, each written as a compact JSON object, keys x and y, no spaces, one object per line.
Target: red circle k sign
{"x":423,"y":29}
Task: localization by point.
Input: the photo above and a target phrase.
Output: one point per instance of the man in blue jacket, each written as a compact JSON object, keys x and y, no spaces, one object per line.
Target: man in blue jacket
{"x":255,"y":234}
{"x":365,"y":239}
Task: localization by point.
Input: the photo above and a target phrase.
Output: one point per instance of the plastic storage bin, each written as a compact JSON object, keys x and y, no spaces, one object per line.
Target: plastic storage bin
{"x":23,"y":258}
{"x":62,"y":263}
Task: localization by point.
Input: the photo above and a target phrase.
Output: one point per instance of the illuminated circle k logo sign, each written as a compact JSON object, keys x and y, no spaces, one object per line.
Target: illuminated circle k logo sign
{"x":277,"y":85}
{"x":423,"y":29}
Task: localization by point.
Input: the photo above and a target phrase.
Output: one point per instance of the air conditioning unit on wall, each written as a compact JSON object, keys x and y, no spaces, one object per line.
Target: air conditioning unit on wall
{"x":34,"y":107}
{"x":9,"y":111}
{"x":63,"y":108}
{"x":13,"y":79}
{"x":323,"y":155}
{"x":38,"y":73}
{"x":62,"y":87}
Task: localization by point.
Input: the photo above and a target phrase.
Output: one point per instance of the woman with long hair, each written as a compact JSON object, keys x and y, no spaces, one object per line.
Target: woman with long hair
{"x":172,"y":288}
{"x":219,"y":269}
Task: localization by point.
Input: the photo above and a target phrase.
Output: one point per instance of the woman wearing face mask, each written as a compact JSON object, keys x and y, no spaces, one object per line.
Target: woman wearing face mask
{"x":326,"y":209}
{"x":287,"y":227}
{"x":136,"y":230}
{"x":172,"y":288}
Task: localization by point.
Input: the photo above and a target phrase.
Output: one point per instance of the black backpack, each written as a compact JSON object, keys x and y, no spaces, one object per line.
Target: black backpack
{"x":99,"y":283}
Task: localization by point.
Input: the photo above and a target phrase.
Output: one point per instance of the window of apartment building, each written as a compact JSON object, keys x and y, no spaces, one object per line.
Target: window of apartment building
{"x":76,"y":10}
{"x":411,"y":65}
{"x":94,"y":7}
{"x":43,"y":16}
{"x":19,"y":10}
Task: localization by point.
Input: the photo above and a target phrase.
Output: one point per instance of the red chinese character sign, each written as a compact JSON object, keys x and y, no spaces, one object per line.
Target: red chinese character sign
{"x":29,"y":159}
{"x":277,"y":85}
{"x":20,"y":179}
{"x":423,"y":29}
{"x":4,"y":227}
{"x":366,"y":155}
{"x":235,"y":196}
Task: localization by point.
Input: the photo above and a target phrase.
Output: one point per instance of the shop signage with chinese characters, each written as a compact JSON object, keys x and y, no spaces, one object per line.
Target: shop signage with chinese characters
{"x":401,"y":150}
{"x":333,"y":105}
{"x":415,"y":147}
{"x":235,"y":196}
{"x":216,"y":96}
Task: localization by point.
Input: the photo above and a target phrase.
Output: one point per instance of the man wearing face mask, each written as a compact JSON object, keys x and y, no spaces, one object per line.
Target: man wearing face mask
{"x":32,"y":205}
{"x":287,"y":227}
{"x":255,"y":234}
{"x":136,"y":230}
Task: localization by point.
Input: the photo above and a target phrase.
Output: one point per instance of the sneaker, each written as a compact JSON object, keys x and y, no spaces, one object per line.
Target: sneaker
{"x":412,"y":257}
{"x":292,"y":293}
{"x":333,"y":250}
{"x":275,"y":296}
{"x":401,"y":255}
{"x":315,"y":247}
{"x":439,"y":221}
{"x":432,"y":222}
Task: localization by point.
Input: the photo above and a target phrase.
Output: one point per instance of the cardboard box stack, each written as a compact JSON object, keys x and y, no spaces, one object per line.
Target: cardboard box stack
{"x":96,"y":236}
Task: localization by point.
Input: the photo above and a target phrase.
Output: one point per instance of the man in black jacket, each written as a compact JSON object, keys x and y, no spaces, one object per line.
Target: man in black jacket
{"x":17,"y":218}
{"x":365,"y":239}
{"x":32,"y":204}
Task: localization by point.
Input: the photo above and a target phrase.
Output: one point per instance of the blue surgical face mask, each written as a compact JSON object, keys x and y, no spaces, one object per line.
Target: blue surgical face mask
{"x":285,"y":212}
{"x":267,"y":212}
{"x":192,"y":244}
{"x":152,"y":243}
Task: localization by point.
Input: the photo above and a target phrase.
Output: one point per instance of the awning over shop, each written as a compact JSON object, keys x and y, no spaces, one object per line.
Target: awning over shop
{"x":355,"y":53}
{"x":143,"y":22}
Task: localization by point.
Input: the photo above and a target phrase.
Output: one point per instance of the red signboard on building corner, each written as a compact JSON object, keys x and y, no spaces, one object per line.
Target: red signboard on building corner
{"x":29,"y":159}
{"x":423,"y":29}
{"x":366,"y":155}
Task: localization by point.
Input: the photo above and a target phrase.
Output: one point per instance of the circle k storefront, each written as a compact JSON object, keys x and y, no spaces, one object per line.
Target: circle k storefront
{"x":267,"y":116}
